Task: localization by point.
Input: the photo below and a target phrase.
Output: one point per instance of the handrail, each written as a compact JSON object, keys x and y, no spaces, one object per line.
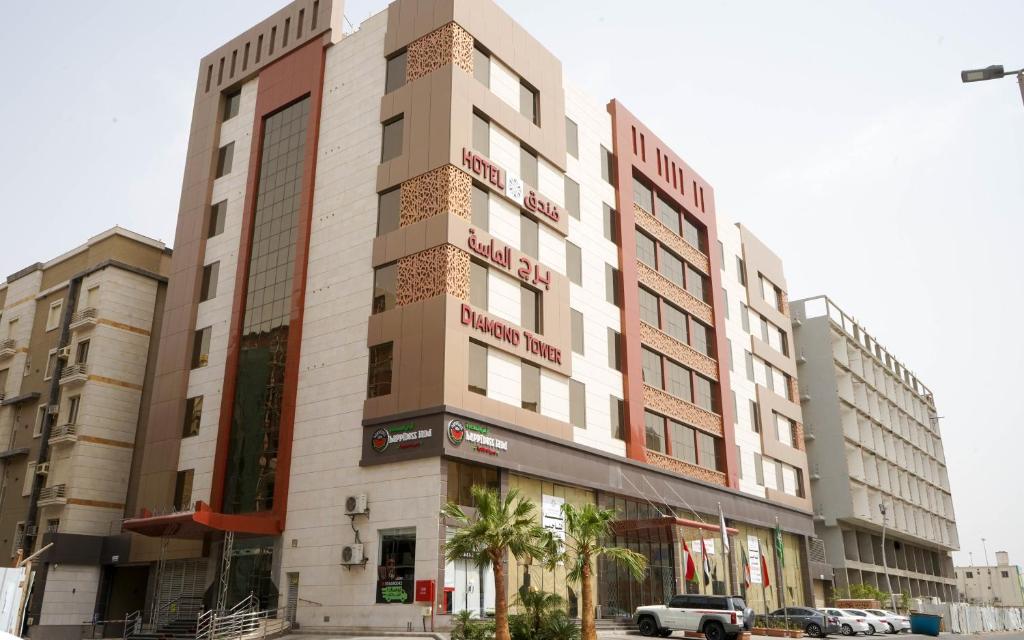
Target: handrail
{"x":131,"y":621}
{"x":251,"y":623}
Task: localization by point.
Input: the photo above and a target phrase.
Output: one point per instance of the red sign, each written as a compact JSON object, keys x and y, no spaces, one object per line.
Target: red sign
{"x":537,"y":203}
{"x":528,"y":271}
{"x":424,"y":591}
{"x":504,"y":332}
{"x":483,"y":168}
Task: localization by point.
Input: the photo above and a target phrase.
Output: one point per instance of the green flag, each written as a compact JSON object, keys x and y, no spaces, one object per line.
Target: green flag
{"x":779,"y":549}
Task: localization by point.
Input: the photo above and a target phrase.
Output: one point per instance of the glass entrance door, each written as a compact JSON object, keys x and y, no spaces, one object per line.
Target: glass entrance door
{"x":473,"y":587}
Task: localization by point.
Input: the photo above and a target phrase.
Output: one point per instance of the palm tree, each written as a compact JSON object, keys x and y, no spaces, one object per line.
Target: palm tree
{"x":499,"y":526}
{"x":586,"y":527}
{"x":539,"y":605}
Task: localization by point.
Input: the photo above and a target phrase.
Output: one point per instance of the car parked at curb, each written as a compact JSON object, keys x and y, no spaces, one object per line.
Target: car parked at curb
{"x":896,"y":622}
{"x":849,"y":625}
{"x":814,"y":623}
{"x":717,"y":617}
{"x":875,"y":624}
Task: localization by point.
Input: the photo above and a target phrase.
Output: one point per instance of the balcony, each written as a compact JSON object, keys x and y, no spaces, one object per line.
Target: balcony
{"x":57,"y":494}
{"x":8,"y":347}
{"x":74,"y":374}
{"x":84,"y":319}
{"x":65,"y":433}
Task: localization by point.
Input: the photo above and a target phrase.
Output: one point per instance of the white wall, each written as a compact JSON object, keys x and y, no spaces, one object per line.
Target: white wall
{"x":70,"y":594}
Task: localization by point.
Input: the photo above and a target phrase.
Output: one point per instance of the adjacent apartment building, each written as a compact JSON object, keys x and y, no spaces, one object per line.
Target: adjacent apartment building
{"x":876,"y":456}
{"x":75,"y":367}
{"x":438,"y":264}
{"x":998,"y":586}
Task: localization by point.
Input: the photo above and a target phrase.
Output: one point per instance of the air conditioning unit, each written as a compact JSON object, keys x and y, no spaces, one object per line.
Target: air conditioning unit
{"x":64,"y":352}
{"x":43,"y":468}
{"x":352,"y":554}
{"x":356,"y":505}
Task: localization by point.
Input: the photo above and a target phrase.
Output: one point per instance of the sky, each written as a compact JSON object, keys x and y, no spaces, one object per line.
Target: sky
{"x":839,"y":133}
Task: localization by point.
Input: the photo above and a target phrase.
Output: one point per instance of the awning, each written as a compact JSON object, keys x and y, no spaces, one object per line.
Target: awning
{"x":622,"y":527}
{"x":195,"y":524}
{"x":12,"y":453}
{"x":24,"y":397}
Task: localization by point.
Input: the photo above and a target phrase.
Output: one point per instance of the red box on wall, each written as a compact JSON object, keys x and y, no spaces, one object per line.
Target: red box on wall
{"x":424,"y":591}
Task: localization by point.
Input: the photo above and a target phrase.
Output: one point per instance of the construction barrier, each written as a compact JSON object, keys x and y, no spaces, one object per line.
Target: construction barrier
{"x":968,"y":618}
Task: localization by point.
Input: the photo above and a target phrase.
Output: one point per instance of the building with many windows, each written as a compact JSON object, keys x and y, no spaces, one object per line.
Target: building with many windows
{"x":876,"y":459}
{"x":75,"y":368}
{"x":438,"y":264}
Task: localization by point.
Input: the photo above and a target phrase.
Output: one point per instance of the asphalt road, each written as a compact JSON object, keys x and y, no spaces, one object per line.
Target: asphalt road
{"x":1016,"y":635}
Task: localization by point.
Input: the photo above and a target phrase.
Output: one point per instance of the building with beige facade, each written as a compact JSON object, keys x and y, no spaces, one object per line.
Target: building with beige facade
{"x":414,"y":258}
{"x":1001,"y":585}
{"x":75,"y":347}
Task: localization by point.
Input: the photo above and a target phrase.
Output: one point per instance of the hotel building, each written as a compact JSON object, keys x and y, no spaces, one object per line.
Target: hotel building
{"x":876,"y":456}
{"x":438,"y":264}
{"x":75,"y":370}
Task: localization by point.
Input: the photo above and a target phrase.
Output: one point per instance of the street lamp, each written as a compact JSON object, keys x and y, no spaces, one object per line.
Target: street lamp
{"x":993,"y":72}
{"x":885,"y":564}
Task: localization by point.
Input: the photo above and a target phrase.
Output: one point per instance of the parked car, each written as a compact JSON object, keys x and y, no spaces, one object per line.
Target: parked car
{"x":717,"y":617}
{"x":896,"y":622}
{"x":876,"y":624}
{"x":814,"y":622}
{"x":849,"y":625}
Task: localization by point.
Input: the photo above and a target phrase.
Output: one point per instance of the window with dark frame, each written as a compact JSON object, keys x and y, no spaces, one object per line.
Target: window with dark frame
{"x":530,"y":309}
{"x":755,"y":416}
{"x":201,"y":348}
{"x":654,"y":431}
{"x":193,"y":416}
{"x":481,"y":134}
{"x":225,"y":156}
{"x":694,"y":235}
{"x":395,"y":76}
{"x":612,"y":286}
{"x":477,"y":372}
{"x":678,"y":380}
{"x":646,"y":250}
{"x":607,"y":166}
{"x":642,"y":196}
{"x":577,"y":404}
{"x":529,"y":236}
{"x":648,"y":303}
{"x":684,"y":443}
{"x":528,"y":167}
{"x":378,"y":382}
{"x":82,"y":352}
{"x":695,"y":284}
{"x":572,"y":138}
{"x":478,"y":294}
{"x":391,"y":138}
{"x":614,"y":350}
{"x":481,"y":208}
{"x":611,"y":224}
{"x":398,"y":562}
{"x":617,"y":410}
{"x":650,"y":366}
{"x":74,"y":402}
{"x":218,"y":214}
{"x":668,"y":214}
{"x":482,"y":66}
{"x":530,"y":386}
{"x":208,"y":287}
{"x":671,"y":266}
{"x":674,"y":323}
{"x":704,"y":393}
{"x":572,"y":197}
{"x":529,"y":103}
{"x":702,"y":338}
{"x":708,"y":451}
{"x":578,"y":342}
{"x":389,"y":211}
{"x":231,"y":103}
{"x":385,"y":287}
{"x":183,"y":489}
{"x":574,"y":263}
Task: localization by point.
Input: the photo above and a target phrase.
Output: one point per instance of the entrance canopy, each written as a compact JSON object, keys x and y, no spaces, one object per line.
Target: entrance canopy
{"x":195,"y":523}
{"x":657,"y":526}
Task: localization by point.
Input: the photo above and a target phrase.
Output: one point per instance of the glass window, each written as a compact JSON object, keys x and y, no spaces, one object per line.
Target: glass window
{"x":678,"y":381}
{"x":477,"y":367}
{"x":674,"y":323}
{"x":391,"y":139}
{"x":617,"y":417}
{"x":649,"y":307}
{"x":671,"y":266}
{"x":396,"y":571}
{"x":611,"y":284}
{"x":785,"y":429}
{"x":378,"y":381}
{"x":611,"y":224}
{"x":572,"y":138}
{"x":764,"y":329}
{"x":481,"y":208}
{"x":528,"y":166}
{"x":529,"y":236}
{"x":708,"y":451}
{"x":463,"y":476}
{"x":530,"y":312}
{"x":577,"y":404}
{"x":693,"y":234}
{"x":646,"y":249}
{"x":51,"y":367}
{"x":395,"y":72}
{"x":745,"y":317}
{"x":695,"y":284}
{"x":668,"y":214}
{"x":528,"y":103}
{"x":193,"y":414}
{"x":208,"y":288}
{"x":701,"y":338}
{"x":481,"y":135}
{"x":755,"y":416}
{"x":642,"y":196}
{"x":478,"y":285}
{"x":759,"y":469}
{"x":654,"y":429}
{"x":750,"y":365}
{"x":607,"y":166}
{"x":577,"y":331}
{"x":384,"y":287}
{"x":482,"y":66}
{"x":531,"y":386}
{"x":74,"y":402}
{"x":651,"y":368}
{"x":218,"y":213}
{"x":389,"y":211}
{"x":703,"y":393}
{"x":53,"y":316}
{"x":614,"y":350}
{"x":572,"y":197}
{"x":574,"y":263}
{"x":684,"y":446}
{"x":741,"y":271}
{"x":231,"y":102}
{"x":225,"y":155}
{"x":183,"y":490}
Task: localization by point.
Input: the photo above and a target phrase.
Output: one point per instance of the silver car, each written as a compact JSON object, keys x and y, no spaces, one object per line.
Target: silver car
{"x":849,"y":625}
{"x":896,"y":622}
{"x":875,"y":624}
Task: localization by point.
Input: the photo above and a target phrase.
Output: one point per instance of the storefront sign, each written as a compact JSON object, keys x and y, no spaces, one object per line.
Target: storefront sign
{"x":504,"y":332}
{"x":552,"y":518}
{"x":754,"y":559}
{"x":483,"y":168}
{"x":477,"y":435}
{"x":709,"y":544}
{"x":405,"y":436}
{"x":527,"y":270}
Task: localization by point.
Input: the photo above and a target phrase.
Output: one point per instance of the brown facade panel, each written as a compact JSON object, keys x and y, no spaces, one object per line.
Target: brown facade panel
{"x":436,"y":271}
{"x":667,"y":404}
{"x":678,"y":351}
{"x":442,"y":190}
{"x":686,"y":469}
{"x":674,"y":294}
{"x":646,"y":221}
{"x":450,"y":44}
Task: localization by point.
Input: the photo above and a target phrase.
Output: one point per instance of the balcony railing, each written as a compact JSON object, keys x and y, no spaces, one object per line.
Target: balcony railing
{"x":64,"y":433}
{"x":8,"y":347}
{"x":84,"y":318}
{"x":74,"y":374}
{"x":57,"y":494}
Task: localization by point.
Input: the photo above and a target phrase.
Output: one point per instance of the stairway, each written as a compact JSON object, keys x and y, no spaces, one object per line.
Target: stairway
{"x":174,"y":630}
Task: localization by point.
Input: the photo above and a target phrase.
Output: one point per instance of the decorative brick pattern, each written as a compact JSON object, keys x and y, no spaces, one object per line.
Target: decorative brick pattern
{"x":667,"y":237}
{"x":685,"y":468}
{"x":442,"y":190}
{"x":679,"y":351}
{"x":674,"y":293}
{"x":449,"y":44}
{"x":429,"y":273}
{"x":798,"y":436}
{"x":678,"y":409}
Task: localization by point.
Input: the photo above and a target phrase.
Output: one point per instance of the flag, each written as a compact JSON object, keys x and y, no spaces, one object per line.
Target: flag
{"x":725,"y":534}
{"x":691,"y":570}
{"x":764,"y":566}
{"x":706,"y":561}
{"x":779,"y":549}
{"x":746,"y":570}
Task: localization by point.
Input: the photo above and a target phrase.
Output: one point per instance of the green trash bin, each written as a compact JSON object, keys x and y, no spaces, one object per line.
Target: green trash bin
{"x":925,"y":623}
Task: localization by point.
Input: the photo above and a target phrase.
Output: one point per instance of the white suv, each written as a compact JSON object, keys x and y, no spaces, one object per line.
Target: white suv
{"x":717,"y":617}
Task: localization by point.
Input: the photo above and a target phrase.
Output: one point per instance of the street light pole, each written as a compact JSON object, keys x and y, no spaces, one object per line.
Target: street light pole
{"x":988,"y":570}
{"x":993,"y":72}
{"x":885,"y":564}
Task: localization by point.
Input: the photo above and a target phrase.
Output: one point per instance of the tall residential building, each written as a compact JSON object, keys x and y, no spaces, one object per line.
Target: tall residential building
{"x":876,"y":457}
{"x":1001,"y":585}
{"x":75,"y":367}
{"x":439,"y":265}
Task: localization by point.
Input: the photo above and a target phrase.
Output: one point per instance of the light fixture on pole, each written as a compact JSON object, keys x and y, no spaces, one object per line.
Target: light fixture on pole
{"x":993,"y":72}
{"x":885,"y":564}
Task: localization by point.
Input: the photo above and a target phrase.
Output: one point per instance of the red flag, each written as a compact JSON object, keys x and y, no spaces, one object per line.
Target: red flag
{"x":691,"y":570}
{"x":706,"y":560}
{"x":764,"y":565}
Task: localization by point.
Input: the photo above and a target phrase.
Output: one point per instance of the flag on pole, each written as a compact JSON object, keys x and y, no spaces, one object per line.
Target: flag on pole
{"x":725,"y":534}
{"x":691,"y":569}
{"x":706,"y":560}
{"x":764,"y":565}
{"x":779,"y":549}
{"x":746,"y":570}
